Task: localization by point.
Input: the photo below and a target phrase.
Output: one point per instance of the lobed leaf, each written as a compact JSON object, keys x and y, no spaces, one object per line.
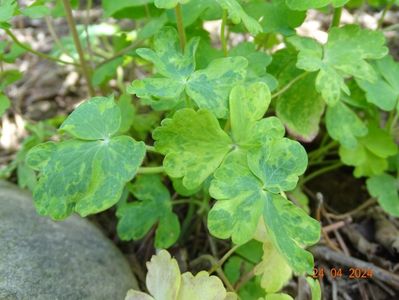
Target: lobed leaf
{"x":307,"y":4}
{"x":85,"y":175}
{"x":137,"y":218}
{"x":194,"y":145}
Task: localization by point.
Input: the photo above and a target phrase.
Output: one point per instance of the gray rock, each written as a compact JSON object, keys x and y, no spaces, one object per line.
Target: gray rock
{"x":42,"y":259}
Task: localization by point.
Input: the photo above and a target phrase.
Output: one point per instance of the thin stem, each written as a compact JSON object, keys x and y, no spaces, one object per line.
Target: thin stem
{"x":78,"y":45}
{"x":87,"y":22}
{"x":384,"y":12}
{"x":151,"y":149}
{"x":150,"y":170}
{"x":55,"y":38}
{"x":180,"y":26}
{"x":37,"y":53}
{"x":223,"y":33}
{"x":220,"y":263}
{"x":289,"y":84}
{"x":321,"y":172}
{"x":336,"y":17}
{"x":244,"y":279}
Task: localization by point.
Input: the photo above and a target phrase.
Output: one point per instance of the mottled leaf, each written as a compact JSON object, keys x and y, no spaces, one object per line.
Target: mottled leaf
{"x":238,"y":15}
{"x":344,"y":125}
{"x":194,"y":145}
{"x":278,"y":164}
{"x":97,"y":118}
{"x":289,"y":227}
{"x":240,"y":200}
{"x":136,"y":218}
{"x":384,"y":188}
{"x":210,"y":88}
{"x":384,"y":92}
{"x":85,"y":175}
{"x":306,"y":4}
{"x":346,"y":54}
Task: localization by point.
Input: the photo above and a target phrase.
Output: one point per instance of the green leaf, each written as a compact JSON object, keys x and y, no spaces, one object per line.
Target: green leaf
{"x":300,"y":109}
{"x":279,"y":296}
{"x":384,"y":92}
{"x":36,"y":11}
{"x":289,"y":227}
{"x":98,"y":118}
{"x":168,"y":4}
{"x":4,"y":104}
{"x":345,"y":54}
{"x":111,"y":7}
{"x":238,"y":15}
{"x":87,"y":174}
{"x":276,"y":16}
{"x":137,"y":218}
{"x":7,"y":9}
{"x":306,"y":4}
{"x":128,"y":112}
{"x":384,"y":187}
{"x":344,"y":125}
{"x":106,"y":72}
{"x":370,"y":155}
{"x":194,"y":145}
{"x":210,"y":88}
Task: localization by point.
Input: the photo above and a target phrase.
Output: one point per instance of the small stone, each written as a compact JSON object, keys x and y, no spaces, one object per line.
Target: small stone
{"x":47,"y":260}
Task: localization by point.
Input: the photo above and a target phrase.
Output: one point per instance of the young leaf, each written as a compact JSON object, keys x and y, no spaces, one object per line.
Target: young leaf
{"x":345,"y":54}
{"x":137,"y":218}
{"x":85,"y":174}
{"x":306,"y":4}
{"x":279,"y":296}
{"x":237,"y":14}
{"x":274,"y":269}
{"x":384,"y":92}
{"x":164,"y":281}
{"x":194,"y":145}
{"x":384,"y":187}
{"x":314,"y":288}
{"x":344,"y":125}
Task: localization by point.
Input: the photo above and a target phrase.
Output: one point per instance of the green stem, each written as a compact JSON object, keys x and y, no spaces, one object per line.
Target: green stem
{"x":188,"y":201}
{"x":37,"y":53}
{"x":223,"y":33}
{"x":150,"y":170}
{"x":321,"y":172}
{"x":314,"y":155}
{"x":289,"y":84}
{"x":336,"y":17}
{"x":384,"y":12}
{"x":87,"y":22}
{"x":180,"y":26}
{"x":151,"y":149}
{"x":78,"y":45}
{"x":220,"y":263}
